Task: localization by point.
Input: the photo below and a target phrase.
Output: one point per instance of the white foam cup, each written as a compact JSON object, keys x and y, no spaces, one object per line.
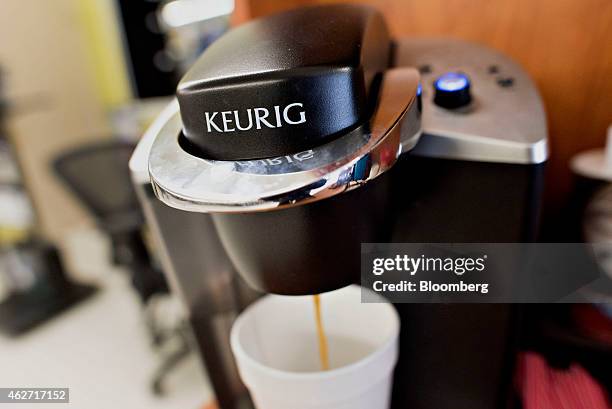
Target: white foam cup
{"x":276,"y":348}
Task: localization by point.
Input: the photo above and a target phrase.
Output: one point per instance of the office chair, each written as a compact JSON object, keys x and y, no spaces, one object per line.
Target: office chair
{"x":98,"y":175}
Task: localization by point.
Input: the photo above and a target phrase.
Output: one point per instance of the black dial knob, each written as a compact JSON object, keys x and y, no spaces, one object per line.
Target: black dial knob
{"x":452,"y":90}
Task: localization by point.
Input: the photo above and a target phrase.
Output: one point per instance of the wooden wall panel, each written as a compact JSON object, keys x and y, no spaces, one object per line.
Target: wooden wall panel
{"x":566,"y":46}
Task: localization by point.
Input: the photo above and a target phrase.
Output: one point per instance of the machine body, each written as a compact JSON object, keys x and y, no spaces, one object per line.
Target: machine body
{"x":454,"y":154}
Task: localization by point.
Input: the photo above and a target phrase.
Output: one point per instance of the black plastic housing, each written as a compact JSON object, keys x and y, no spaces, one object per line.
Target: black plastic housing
{"x":308,"y":75}
{"x":308,"y":249}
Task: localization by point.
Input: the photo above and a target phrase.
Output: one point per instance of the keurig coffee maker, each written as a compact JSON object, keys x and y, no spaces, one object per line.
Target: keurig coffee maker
{"x":297,"y":137}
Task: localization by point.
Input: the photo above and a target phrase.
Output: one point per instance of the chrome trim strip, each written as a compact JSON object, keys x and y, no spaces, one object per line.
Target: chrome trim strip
{"x":481,"y":149}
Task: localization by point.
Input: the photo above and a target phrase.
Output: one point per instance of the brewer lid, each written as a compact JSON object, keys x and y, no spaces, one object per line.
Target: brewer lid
{"x":284,"y":83}
{"x":189,"y":182}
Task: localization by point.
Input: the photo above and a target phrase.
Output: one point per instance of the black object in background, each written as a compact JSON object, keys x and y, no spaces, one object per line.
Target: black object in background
{"x":153,"y":72}
{"x":50,"y":294}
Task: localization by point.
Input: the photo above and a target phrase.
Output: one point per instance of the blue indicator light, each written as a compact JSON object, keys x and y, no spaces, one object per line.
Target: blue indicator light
{"x":452,"y":81}
{"x":419,"y":89}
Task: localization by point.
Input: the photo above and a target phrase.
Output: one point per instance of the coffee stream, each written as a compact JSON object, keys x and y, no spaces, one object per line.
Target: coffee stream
{"x":323,"y":352}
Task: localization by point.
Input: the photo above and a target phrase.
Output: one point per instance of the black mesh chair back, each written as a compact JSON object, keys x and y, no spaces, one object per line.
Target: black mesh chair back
{"x":99,"y":176}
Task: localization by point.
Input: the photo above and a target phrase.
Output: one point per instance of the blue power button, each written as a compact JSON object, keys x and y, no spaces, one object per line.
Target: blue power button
{"x":452,"y":90}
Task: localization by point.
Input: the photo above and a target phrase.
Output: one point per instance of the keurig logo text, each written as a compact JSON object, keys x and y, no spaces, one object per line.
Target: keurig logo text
{"x":255,"y":118}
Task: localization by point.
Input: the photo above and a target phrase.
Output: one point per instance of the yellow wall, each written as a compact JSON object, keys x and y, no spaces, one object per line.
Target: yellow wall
{"x":104,"y":45}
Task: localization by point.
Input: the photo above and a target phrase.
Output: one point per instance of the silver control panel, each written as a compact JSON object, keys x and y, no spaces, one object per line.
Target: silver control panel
{"x":500,"y":118}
